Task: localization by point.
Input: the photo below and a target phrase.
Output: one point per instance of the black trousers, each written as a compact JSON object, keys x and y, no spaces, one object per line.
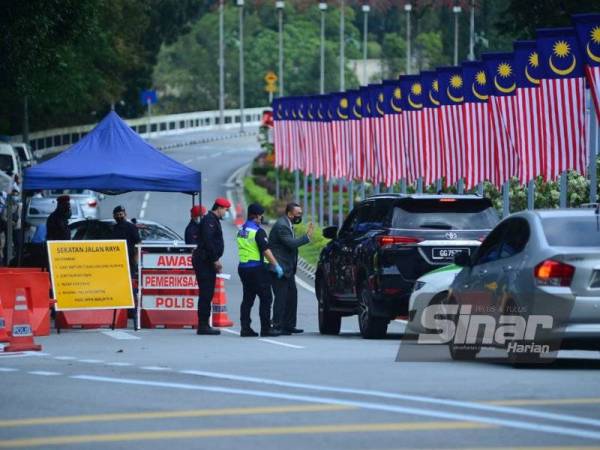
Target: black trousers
{"x":206,"y":285}
{"x":286,"y":302}
{"x":255,"y":281}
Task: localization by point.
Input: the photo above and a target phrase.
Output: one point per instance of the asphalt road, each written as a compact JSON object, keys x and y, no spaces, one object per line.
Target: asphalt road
{"x":150,"y":389}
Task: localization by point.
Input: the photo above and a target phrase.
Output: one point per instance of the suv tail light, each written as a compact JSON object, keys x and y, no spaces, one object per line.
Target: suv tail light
{"x":92,"y":203}
{"x":388,"y":241}
{"x":553,"y":273}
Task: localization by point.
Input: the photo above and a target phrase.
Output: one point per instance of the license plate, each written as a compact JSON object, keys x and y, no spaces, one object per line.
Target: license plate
{"x":447,"y":253}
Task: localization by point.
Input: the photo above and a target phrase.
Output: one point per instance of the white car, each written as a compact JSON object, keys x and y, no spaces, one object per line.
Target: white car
{"x":429,"y":289}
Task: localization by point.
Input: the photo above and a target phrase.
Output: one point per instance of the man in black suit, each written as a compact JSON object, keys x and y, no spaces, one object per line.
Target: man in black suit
{"x":284,"y":245}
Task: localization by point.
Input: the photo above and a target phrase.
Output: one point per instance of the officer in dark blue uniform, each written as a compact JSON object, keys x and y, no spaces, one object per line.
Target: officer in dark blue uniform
{"x":192,"y":231}
{"x":123,"y":229}
{"x":206,"y":261}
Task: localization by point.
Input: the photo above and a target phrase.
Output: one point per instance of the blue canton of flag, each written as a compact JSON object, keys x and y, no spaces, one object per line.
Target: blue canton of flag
{"x":588,"y":32}
{"x":527,"y":64}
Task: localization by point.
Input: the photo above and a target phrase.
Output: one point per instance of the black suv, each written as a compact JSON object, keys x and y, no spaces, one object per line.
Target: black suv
{"x":385,"y":244}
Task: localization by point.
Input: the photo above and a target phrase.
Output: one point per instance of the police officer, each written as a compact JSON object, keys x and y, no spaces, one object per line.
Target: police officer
{"x":253,"y":247}
{"x":123,"y":229}
{"x":57,"y":223}
{"x":206,"y":261}
{"x":192,"y":231}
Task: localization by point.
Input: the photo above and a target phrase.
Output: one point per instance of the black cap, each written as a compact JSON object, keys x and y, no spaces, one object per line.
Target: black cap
{"x":254,"y":209}
{"x":118,"y":209}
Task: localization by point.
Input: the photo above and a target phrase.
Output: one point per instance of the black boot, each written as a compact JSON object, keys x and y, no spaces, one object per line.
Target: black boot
{"x":248,"y":332}
{"x":269,"y":332}
{"x":206,"y":329}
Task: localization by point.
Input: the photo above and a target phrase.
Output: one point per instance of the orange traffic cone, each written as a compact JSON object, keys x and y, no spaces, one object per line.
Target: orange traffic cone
{"x":239,"y":219}
{"x":22,"y":334}
{"x":3,"y":333}
{"x":219,"y":306}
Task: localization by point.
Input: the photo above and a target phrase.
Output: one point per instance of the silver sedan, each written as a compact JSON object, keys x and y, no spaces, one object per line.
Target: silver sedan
{"x":532,"y":287}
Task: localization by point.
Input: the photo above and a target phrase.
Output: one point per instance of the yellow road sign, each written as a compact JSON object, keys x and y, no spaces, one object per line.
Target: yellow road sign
{"x":270,"y":87}
{"x":270,"y":77}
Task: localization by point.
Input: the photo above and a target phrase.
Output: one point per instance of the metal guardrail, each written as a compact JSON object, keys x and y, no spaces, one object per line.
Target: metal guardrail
{"x":57,"y":139}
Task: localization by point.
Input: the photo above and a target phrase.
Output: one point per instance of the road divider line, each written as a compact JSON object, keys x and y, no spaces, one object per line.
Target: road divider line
{"x":8,"y":369}
{"x":156,"y":368}
{"x":283,"y":344}
{"x":188,"y":161}
{"x":549,"y":401}
{"x":431,"y":413}
{"x":119,"y":364}
{"x":91,"y":361}
{"x":238,"y":432}
{"x":65,"y":358}
{"x":497,"y":409}
{"x":63,"y":420}
{"x":44,"y":373}
{"x":304,"y":284}
{"x":237,"y":333}
{"x":120,"y":335}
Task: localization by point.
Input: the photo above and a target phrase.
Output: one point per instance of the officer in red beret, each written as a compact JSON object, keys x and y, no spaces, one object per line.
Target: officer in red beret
{"x":192,"y":231}
{"x":207,"y":261}
{"x":57,"y":223}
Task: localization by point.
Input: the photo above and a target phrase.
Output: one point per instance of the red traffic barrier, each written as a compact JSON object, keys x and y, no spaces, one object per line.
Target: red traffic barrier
{"x":94,"y":318}
{"x":239,"y":216}
{"x":22,"y":333}
{"x":3,"y":333}
{"x":220,"y":318}
{"x":37,"y":287}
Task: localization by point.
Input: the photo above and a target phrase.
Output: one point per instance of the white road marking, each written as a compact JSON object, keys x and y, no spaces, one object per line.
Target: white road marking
{"x":119,"y":364}
{"x":44,"y":373}
{"x":215,"y":155}
{"x":231,"y":331}
{"x":435,"y":413}
{"x":8,"y":369}
{"x":402,"y":321}
{"x":91,"y":361}
{"x":413,"y":398}
{"x":304,"y":284}
{"x":283,"y":344}
{"x":65,"y":358}
{"x":188,"y":161}
{"x":156,"y":368}
{"x":201,"y":157}
{"x":120,"y":335}
{"x":144,"y":205}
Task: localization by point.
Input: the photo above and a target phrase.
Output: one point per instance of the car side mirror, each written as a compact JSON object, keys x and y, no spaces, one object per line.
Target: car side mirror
{"x":462,"y":259}
{"x":330,"y":232}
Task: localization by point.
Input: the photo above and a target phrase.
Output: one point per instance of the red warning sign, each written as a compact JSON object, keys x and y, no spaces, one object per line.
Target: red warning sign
{"x":170,"y":302}
{"x":166,"y":261}
{"x":169,"y":281}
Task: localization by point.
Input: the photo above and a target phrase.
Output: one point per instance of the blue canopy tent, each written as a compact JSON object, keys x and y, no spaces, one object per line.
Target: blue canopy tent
{"x":112,"y":158}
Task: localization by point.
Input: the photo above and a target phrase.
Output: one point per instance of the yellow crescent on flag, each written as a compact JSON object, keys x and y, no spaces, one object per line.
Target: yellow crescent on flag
{"x":562,"y":72}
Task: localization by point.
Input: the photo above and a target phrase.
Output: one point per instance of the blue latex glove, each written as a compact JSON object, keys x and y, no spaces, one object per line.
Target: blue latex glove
{"x":278,"y":271}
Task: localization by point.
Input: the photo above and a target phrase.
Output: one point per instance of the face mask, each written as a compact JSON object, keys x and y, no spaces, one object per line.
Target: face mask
{"x":296,"y":220}
{"x":197,"y":219}
{"x":120,"y":219}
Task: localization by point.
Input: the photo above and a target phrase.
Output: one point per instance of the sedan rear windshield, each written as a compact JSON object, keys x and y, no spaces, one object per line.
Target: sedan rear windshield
{"x":572,"y":231}
{"x":442,"y":214}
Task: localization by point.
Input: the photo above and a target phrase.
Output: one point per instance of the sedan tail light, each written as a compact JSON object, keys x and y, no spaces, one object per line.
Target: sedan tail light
{"x":388,"y":241}
{"x":554,"y":273}
{"x":92,"y":203}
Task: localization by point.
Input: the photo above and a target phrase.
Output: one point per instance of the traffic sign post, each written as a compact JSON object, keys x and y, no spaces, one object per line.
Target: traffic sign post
{"x":270,"y":87}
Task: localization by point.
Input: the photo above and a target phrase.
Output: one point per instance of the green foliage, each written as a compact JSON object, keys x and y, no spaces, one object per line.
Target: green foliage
{"x":73,"y":58}
{"x":258,"y":194}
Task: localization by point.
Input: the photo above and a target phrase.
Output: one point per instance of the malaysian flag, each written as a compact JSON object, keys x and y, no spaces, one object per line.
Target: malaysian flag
{"x":355,"y":137}
{"x":278,"y":134}
{"x":376,"y":115}
{"x":311,"y":135}
{"x":588,"y":32}
{"x":303,"y":147}
{"x":503,"y":109}
{"x":323,"y":139}
{"x":450,"y":121}
{"x":362,"y":110}
{"x":431,"y":135}
{"x":529,"y":146}
{"x":562,"y":101}
{"x":330,"y":104}
{"x":340,"y":139}
{"x":478,"y":164}
{"x":414,"y":128}
{"x":294,"y":133}
{"x":394,"y":131}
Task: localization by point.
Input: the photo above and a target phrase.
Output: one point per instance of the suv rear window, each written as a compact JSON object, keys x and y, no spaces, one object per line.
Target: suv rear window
{"x":444,"y":214}
{"x":574,"y":231}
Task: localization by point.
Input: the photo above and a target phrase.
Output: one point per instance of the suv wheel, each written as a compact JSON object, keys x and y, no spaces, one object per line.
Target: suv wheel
{"x":329,"y":322}
{"x":370,"y":327}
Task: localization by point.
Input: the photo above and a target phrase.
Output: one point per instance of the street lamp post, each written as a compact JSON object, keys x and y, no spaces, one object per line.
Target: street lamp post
{"x":221,"y":64}
{"x":408,"y":9}
{"x":322,"y":8}
{"x":279,"y":5}
{"x":456,"y":10}
{"x":365,"y":9}
{"x":342,"y":88}
{"x":472,"y":32}
{"x":240,"y":4}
